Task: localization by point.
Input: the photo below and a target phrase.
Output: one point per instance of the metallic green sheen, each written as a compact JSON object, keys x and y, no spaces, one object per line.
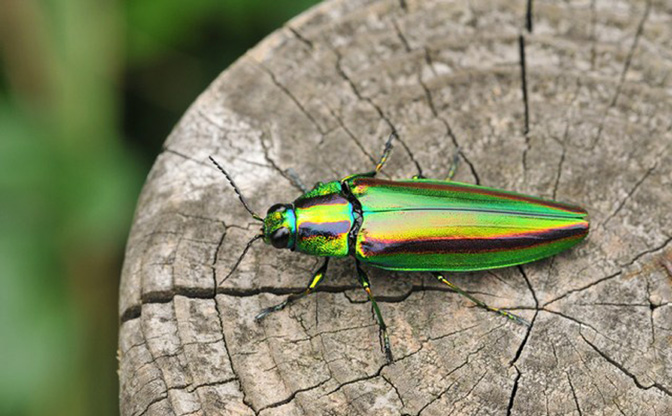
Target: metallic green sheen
{"x":324,"y":218}
{"x":429,"y":225}
{"x":280,"y":219}
{"x":321,"y":189}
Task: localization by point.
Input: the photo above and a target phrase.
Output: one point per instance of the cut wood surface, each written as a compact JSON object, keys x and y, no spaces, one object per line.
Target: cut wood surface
{"x":565,"y":100}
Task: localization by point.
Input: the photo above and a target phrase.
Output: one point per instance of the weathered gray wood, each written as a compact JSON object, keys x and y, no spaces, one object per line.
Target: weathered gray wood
{"x":319,"y":97}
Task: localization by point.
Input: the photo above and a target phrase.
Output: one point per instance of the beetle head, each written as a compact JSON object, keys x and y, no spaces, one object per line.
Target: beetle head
{"x":279,"y":227}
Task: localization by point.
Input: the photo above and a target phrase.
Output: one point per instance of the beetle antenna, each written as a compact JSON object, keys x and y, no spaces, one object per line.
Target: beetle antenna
{"x":235,"y":188}
{"x":242,"y":255}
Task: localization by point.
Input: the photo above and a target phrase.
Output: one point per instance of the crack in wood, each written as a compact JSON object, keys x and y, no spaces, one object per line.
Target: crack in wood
{"x":526,"y":106}
{"x":381,"y":114}
{"x":291,"y":96}
{"x":628,"y":196}
{"x":576,"y":400}
{"x":578,"y":322}
{"x":357,"y":380}
{"x":620,"y":367}
{"x":432,"y":107}
{"x":293,"y":395}
{"x":514,"y":390}
{"x":468,"y":393}
{"x":447,"y":389}
{"x":401,"y":36}
{"x":235,"y":372}
{"x":593,"y":38}
{"x":562,"y":142}
{"x":300,"y":36}
{"x":528,"y":331}
{"x":160,"y":377}
{"x":396,"y":390}
{"x":591,"y":378}
{"x":354,"y":138}
{"x":652,"y":250}
{"x":624,"y":72}
{"x":446,"y":124}
{"x":283,"y":172}
{"x":528,"y":16}
{"x":582,"y":288}
{"x":391,"y":18}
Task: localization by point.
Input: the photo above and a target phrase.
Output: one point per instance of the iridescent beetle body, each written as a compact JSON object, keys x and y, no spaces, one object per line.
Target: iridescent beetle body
{"x":426,"y":225}
{"x":418,"y":225}
{"x":318,"y":223}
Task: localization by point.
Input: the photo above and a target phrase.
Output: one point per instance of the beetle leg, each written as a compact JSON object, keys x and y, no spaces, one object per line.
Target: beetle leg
{"x":453,"y":165}
{"x":314,"y":281}
{"x":451,"y":169}
{"x":386,"y":152}
{"x":296,"y":180}
{"x":364,"y":281}
{"x":383,"y":158}
{"x":480,"y":303}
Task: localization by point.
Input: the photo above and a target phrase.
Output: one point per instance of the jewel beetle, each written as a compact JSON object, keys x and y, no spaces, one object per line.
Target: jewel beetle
{"x":416,"y":225}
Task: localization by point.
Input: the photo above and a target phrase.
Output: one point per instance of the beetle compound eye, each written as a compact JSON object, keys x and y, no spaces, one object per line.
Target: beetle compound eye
{"x":280,"y":238}
{"x":277,"y":208}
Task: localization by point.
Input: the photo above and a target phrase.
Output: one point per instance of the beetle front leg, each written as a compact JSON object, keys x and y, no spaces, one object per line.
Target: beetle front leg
{"x":314,"y":281}
{"x":480,"y":303}
{"x":296,"y":180}
{"x":364,"y":281}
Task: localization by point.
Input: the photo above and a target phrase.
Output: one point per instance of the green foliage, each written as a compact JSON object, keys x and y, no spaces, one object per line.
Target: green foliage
{"x":88,"y":92}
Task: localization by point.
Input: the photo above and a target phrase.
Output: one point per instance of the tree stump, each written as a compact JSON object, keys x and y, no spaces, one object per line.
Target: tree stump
{"x":570,"y":101}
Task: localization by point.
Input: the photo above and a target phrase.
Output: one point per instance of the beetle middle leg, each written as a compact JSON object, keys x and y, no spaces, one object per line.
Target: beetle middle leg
{"x":453,"y":165}
{"x":452,"y":169}
{"x":381,"y":162}
{"x":364,"y":281}
{"x":480,"y":303}
{"x":314,"y":281}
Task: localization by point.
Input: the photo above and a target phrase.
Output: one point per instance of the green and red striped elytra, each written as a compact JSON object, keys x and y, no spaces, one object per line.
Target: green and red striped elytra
{"x":416,"y":225}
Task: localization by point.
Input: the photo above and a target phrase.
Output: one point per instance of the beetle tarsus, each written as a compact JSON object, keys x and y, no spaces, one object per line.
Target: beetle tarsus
{"x":479,"y":302}
{"x":267,"y":311}
{"x":386,"y":346}
{"x":379,"y":166}
{"x":314,"y":281}
{"x":452,"y":169}
{"x":515,"y":318}
{"x":386,"y":152}
{"x":364,"y":281}
{"x":296,"y":180}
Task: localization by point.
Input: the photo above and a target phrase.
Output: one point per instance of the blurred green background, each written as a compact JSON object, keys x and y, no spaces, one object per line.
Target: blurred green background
{"x":89,"y":89}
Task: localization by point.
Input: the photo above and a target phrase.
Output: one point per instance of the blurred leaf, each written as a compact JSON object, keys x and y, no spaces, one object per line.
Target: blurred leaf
{"x":86,"y":87}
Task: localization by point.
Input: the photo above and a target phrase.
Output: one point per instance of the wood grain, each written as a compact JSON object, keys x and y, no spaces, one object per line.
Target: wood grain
{"x":570,"y":101}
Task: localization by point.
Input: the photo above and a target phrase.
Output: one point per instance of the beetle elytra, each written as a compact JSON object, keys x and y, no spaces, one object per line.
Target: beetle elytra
{"x":416,"y":225}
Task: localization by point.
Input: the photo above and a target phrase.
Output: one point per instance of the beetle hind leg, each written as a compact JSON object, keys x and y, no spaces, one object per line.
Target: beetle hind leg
{"x":314,"y":281}
{"x":385,"y":339}
{"x":480,"y":303}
